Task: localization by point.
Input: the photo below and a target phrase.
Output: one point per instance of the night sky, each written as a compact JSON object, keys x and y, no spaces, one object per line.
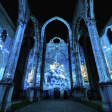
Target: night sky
{"x":46,"y":9}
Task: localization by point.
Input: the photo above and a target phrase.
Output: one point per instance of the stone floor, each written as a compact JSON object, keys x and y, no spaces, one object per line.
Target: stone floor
{"x":56,"y":106}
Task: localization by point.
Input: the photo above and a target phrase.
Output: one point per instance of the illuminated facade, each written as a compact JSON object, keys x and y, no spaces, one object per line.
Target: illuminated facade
{"x":107,"y":48}
{"x":56,"y":65}
{"x":84,"y":62}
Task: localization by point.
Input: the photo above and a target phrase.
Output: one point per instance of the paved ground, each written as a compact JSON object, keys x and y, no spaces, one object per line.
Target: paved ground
{"x":56,"y":106}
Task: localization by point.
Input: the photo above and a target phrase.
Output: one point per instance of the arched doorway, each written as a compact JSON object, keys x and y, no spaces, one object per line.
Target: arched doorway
{"x":44,"y":40}
{"x":85,"y":45}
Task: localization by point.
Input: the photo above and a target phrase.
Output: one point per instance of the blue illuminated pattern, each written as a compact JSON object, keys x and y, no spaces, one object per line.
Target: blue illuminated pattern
{"x":5,"y":47}
{"x":56,"y":77}
{"x":107,"y":50}
{"x":56,"y":73}
{"x":59,"y":50}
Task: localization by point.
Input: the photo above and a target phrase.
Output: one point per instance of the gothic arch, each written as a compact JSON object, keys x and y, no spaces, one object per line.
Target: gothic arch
{"x":61,"y":20}
{"x":43,"y":46}
{"x":79,"y":19}
{"x":76,"y":29}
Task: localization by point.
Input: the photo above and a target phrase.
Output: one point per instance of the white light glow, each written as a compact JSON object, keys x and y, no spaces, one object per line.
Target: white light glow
{"x":84,"y":72}
{"x":30,"y":76}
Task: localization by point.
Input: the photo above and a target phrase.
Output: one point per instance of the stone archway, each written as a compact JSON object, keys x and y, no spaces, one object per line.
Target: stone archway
{"x":43,"y":45}
{"x":58,"y":19}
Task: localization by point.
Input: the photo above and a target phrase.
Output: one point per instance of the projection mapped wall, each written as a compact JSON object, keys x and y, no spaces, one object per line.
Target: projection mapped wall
{"x":56,"y":73}
{"x":5,"y":47}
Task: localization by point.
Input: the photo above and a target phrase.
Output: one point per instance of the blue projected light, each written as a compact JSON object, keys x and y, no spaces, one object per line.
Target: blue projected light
{"x":56,"y":77}
{"x":53,"y":49}
{"x":56,"y":73}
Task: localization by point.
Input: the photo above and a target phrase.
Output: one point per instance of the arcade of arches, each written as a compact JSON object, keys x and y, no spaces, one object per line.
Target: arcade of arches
{"x":55,"y":60}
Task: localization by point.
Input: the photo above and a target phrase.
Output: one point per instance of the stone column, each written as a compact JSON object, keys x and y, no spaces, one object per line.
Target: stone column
{"x":104,"y":78}
{"x":42,"y":58}
{"x":14,"y":55}
{"x":6,"y":90}
{"x":98,"y":53}
{"x":79,"y":79}
{"x":36,"y":55}
{"x":34,"y":66}
{"x":11,"y":67}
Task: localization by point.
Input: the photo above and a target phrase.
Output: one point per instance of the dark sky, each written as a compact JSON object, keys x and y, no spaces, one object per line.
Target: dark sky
{"x":46,"y":9}
{"x":43,"y":9}
{"x":103,"y":12}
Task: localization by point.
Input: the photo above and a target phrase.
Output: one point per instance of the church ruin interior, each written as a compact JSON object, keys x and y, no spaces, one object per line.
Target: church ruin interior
{"x":55,"y":56}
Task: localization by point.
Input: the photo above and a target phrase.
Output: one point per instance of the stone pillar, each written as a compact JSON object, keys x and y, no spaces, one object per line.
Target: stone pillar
{"x":11,"y":67}
{"x":104,"y":78}
{"x":43,"y":53}
{"x":14,"y":55}
{"x":38,"y":94}
{"x":70,"y":64}
{"x":79,"y":79}
{"x":106,"y":94}
{"x":35,"y":54}
{"x":33,"y":63}
{"x":30,"y":94}
{"x":34,"y":66}
{"x":98,"y":53}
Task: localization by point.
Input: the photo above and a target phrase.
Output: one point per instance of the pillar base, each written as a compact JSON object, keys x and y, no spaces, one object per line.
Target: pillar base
{"x":80,"y":93}
{"x":30,"y":94}
{"x":51,"y":93}
{"x":61,"y":93}
{"x":6,"y":91}
{"x":106,"y":94}
{"x":39,"y":94}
